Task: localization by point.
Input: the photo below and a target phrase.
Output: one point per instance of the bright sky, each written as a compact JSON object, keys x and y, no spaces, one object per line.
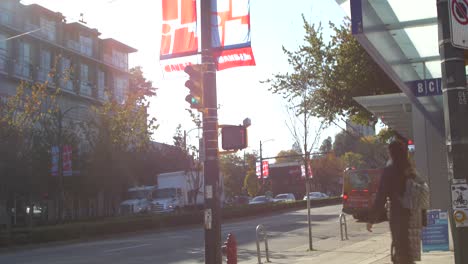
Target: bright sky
{"x":274,"y":23}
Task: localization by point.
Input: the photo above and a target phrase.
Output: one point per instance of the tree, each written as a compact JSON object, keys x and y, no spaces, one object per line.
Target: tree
{"x":251,"y":183}
{"x":121,"y":133}
{"x":288,"y":156}
{"x":353,"y":160}
{"x":327,"y":170}
{"x":138,"y":83}
{"x":329,"y":75}
{"x":344,"y":142}
{"x":232,"y":168}
{"x":326,"y":145}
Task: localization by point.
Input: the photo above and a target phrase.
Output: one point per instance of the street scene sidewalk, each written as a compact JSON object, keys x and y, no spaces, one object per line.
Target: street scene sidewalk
{"x":372,"y":250}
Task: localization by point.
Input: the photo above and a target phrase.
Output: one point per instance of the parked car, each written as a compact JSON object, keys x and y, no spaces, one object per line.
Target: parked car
{"x":316,"y":196}
{"x":284,"y":197}
{"x":238,"y":200}
{"x":261,"y":199}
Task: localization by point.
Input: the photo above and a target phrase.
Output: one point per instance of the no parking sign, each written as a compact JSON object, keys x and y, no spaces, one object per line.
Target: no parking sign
{"x":458,"y":13}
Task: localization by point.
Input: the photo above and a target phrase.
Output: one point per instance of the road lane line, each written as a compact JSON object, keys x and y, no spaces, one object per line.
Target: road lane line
{"x":125,"y":248}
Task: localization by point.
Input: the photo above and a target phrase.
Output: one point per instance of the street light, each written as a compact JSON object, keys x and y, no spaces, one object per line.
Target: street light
{"x":261,"y":158}
{"x":59,"y":119}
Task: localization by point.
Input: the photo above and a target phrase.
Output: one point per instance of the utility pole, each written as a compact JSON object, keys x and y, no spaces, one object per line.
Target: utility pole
{"x":210,"y":135}
{"x":455,"y":103}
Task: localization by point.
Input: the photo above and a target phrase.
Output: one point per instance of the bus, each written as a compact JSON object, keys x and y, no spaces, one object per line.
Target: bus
{"x":359,"y":191}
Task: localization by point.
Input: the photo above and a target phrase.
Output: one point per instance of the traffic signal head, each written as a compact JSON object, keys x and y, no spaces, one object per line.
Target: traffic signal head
{"x":233,"y":137}
{"x":195,"y":85}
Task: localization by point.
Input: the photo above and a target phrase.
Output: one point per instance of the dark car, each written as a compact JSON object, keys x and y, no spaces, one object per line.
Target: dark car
{"x":240,"y":200}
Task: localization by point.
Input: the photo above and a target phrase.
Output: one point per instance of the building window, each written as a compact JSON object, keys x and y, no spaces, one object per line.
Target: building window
{"x":45,"y":66}
{"x":86,"y":45}
{"x":85,"y":85}
{"x":101,"y":85}
{"x":48,"y":28}
{"x":120,"y":86}
{"x":23,"y":64}
{"x":6,"y":13}
{"x":3,"y":52}
{"x":119,"y":59}
{"x":66,"y":74}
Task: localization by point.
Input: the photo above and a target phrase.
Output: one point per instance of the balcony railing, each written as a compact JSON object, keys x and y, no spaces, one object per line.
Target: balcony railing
{"x":86,"y":88}
{"x":3,"y":63}
{"x":44,"y":76}
{"x":23,"y":69}
{"x":65,"y":83}
{"x":110,"y":60}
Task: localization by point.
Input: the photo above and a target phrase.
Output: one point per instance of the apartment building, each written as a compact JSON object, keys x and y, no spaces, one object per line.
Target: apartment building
{"x":35,"y":41}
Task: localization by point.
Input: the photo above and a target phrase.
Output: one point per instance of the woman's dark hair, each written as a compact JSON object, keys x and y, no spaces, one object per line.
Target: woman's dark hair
{"x":398,"y":151}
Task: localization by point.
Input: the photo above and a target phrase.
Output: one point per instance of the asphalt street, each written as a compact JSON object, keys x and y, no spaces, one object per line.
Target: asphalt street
{"x":286,"y":231}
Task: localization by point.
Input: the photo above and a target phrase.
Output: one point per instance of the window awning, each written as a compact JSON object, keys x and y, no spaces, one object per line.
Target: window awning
{"x":402,"y":37}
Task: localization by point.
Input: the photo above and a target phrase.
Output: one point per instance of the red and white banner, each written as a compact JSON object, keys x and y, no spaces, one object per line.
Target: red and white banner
{"x":231,"y":33}
{"x":66,"y":161}
{"x":230,"y":38}
{"x":179,"y":29}
{"x":265,"y":168}
{"x":309,"y":170}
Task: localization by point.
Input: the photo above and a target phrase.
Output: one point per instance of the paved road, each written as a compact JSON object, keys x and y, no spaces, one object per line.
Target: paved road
{"x":286,"y":231}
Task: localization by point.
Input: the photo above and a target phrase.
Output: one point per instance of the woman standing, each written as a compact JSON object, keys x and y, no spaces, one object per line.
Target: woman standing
{"x":405,"y":224}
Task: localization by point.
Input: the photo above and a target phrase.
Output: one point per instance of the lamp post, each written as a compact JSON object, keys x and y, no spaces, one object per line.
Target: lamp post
{"x":261,"y":159}
{"x":59,"y":119}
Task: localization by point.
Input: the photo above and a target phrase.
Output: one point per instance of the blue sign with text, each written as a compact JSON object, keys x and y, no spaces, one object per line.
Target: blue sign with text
{"x":427,"y":87}
{"x":435,"y":235}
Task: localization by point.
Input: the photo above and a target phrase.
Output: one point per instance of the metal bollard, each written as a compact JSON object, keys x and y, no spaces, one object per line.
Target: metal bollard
{"x":262,"y":232}
{"x":343,"y":224}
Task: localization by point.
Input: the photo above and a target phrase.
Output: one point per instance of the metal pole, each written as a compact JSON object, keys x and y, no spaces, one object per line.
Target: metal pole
{"x":210,"y":136}
{"x":258,"y":248}
{"x":306,"y":169}
{"x":261,"y":163}
{"x":60,"y":167}
{"x":266,"y":246}
{"x":455,"y":99}
{"x":343,"y":224}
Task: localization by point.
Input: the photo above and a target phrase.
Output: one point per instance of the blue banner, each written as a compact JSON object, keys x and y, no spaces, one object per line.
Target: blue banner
{"x":435,"y":235}
{"x":427,"y":87}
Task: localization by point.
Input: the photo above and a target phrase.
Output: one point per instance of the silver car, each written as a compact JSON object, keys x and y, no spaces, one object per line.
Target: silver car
{"x":261,"y":199}
{"x":316,"y":196}
{"x":284,"y":197}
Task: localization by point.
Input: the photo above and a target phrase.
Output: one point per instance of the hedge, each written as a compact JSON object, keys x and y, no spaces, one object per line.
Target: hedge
{"x":136,"y":223}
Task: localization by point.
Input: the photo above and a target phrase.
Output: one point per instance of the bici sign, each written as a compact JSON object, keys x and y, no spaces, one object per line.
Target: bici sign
{"x":458,"y":13}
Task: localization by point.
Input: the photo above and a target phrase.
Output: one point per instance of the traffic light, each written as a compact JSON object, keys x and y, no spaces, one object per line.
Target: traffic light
{"x":195,"y":85}
{"x":233,"y":137}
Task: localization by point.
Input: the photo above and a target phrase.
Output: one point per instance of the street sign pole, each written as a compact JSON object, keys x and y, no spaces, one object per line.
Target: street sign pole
{"x":455,"y":99}
{"x":210,"y":135}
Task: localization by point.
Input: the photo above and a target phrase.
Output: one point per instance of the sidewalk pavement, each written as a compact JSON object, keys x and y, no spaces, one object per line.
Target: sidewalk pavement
{"x":372,"y":250}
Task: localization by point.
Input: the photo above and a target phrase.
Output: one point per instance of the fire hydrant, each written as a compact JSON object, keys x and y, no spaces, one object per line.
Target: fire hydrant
{"x":230,"y":249}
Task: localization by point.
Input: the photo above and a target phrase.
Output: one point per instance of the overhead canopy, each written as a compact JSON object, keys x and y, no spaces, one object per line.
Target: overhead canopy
{"x":393,"y":109}
{"x":402,"y":37}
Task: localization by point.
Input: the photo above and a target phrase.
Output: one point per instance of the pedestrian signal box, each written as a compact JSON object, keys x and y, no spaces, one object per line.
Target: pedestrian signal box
{"x":233,"y":137}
